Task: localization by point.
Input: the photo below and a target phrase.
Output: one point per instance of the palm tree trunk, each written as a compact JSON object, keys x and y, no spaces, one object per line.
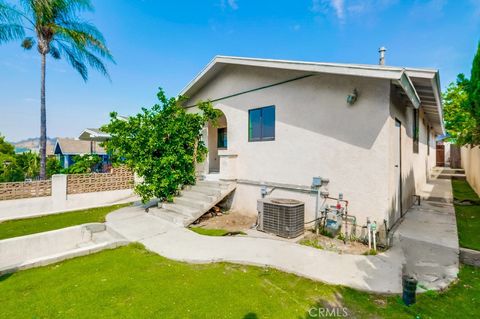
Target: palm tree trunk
{"x":43,"y":122}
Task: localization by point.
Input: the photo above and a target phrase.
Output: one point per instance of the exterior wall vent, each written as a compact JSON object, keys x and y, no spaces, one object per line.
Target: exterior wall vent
{"x":282,"y":217}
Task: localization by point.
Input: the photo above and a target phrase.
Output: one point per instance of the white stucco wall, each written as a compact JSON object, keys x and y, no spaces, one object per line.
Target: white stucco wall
{"x":416,"y":167}
{"x":317,"y":134}
{"x":39,"y":206}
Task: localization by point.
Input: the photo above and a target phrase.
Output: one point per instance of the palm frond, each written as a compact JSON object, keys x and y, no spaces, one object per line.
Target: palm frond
{"x":55,"y":52}
{"x":10,"y":23}
{"x":28,"y":43}
{"x":84,"y":40}
{"x":75,"y":61}
{"x":9,"y":32}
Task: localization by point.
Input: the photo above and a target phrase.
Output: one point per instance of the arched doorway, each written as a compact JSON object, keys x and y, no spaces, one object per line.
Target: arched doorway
{"x":217,"y":140}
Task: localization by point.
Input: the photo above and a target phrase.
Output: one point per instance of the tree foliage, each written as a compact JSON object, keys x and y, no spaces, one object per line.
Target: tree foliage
{"x":462,"y":107}
{"x":55,"y":27}
{"x":83,"y":164}
{"x":161,"y":144}
{"x":459,"y":121}
{"x":10,"y":171}
{"x":56,"y":30}
{"x":30,"y":164}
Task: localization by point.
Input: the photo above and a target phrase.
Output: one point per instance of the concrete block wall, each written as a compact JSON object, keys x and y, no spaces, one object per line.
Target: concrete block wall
{"x":60,"y":201}
{"x":470,"y":158}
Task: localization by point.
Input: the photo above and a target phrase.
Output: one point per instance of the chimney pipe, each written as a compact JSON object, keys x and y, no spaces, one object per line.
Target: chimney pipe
{"x":382,"y":51}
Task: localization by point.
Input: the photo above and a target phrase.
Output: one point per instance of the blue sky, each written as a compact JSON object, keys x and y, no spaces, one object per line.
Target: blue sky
{"x":165,"y":43}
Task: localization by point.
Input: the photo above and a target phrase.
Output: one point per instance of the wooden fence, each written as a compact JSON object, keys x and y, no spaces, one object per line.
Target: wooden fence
{"x":19,"y":190}
{"x":119,"y":178}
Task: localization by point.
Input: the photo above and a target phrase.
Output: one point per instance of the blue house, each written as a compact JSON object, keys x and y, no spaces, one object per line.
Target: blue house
{"x":66,"y":149}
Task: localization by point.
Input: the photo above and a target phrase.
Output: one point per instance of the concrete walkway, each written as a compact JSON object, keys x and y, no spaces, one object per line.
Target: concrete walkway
{"x":425,"y":245}
{"x":428,"y":237}
{"x":381,"y":273}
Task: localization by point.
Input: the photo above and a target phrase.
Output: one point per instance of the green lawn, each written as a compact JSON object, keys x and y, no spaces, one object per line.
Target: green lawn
{"x":468,"y":217}
{"x":22,"y":227}
{"x":130,"y":282}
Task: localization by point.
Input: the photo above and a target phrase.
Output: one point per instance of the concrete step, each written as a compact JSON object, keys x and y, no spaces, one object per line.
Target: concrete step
{"x":206,"y":190}
{"x":447,"y":170}
{"x":194,"y":203}
{"x":181,"y":209}
{"x":452,"y":176}
{"x":197,"y":195}
{"x":213,"y":184}
{"x":170,"y":216}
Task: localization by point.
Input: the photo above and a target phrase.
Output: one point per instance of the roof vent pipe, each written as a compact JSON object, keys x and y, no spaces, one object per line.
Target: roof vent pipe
{"x":382,"y":51}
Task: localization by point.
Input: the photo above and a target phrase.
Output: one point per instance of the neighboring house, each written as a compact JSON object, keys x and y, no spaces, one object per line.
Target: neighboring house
{"x":369,"y":129}
{"x":93,"y":134}
{"x":66,"y":149}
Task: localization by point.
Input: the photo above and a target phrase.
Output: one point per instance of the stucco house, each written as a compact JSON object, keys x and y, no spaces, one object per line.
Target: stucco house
{"x":369,"y":129}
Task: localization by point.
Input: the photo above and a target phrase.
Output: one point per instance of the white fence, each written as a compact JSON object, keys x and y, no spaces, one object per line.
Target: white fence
{"x":471,"y":164}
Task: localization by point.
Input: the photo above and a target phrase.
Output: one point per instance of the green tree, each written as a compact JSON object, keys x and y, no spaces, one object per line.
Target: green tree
{"x":83,"y":164}
{"x":10,"y":171}
{"x":459,"y":121}
{"x":473,"y":87}
{"x":5,"y":147}
{"x":56,"y":29}
{"x":30,"y":164}
{"x":161,"y":144}
{"x":53,"y":166}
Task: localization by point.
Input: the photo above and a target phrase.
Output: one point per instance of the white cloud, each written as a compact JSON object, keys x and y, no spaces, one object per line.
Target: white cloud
{"x":326,"y":6}
{"x":232,"y":4}
{"x":349,"y":8}
{"x":339,"y":7}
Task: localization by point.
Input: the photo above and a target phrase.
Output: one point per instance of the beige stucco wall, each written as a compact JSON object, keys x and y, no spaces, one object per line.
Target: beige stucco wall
{"x":416,"y":167}
{"x":471,"y":164}
{"x":317,"y":134}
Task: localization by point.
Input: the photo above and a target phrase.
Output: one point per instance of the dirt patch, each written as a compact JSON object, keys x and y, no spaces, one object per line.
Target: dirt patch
{"x":334,"y":244}
{"x":231,"y":221}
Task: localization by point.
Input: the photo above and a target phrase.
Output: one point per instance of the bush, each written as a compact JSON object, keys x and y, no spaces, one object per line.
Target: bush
{"x":162,"y":144}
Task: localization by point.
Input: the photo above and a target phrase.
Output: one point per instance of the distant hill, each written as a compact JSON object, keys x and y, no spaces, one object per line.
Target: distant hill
{"x":33,"y":144}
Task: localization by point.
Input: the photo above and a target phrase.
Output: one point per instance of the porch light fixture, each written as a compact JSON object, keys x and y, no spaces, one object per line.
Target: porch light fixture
{"x":352,"y":98}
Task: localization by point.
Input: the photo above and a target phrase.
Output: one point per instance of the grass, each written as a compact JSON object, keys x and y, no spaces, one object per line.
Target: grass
{"x":215,"y":232}
{"x":22,"y":227}
{"x":311,"y":242}
{"x":468,"y":216}
{"x":130,"y":282}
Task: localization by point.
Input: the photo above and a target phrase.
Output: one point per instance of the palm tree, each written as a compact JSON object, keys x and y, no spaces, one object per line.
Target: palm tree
{"x":56,"y":30}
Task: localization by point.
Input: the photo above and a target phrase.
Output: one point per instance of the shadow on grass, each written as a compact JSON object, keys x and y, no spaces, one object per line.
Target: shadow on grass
{"x":6,"y":276}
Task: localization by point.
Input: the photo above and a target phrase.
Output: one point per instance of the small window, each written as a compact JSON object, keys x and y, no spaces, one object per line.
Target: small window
{"x":428,"y":140}
{"x":222,"y":137}
{"x":416,"y":130}
{"x":261,"y":124}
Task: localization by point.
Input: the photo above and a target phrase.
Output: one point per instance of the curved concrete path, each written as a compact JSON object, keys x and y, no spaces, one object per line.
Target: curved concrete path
{"x":379,"y":274}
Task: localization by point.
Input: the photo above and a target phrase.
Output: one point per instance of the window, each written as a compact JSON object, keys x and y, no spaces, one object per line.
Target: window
{"x":222,"y":137}
{"x":261,"y":124}
{"x":428,"y":140}
{"x":416,"y":130}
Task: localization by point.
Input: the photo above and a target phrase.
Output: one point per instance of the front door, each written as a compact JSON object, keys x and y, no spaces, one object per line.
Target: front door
{"x":440,"y":155}
{"x":398,"y":171}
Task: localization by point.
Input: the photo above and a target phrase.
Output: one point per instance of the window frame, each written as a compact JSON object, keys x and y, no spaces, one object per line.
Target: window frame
{"x":224,"y":129}
{"x":416,"y":130}
{"x":262,"y":138}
